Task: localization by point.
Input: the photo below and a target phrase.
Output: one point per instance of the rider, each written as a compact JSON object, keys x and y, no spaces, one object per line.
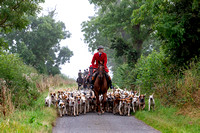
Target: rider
{"x":100,"y":56}
{"x":79,"y":73}
{"x":86,"y":72}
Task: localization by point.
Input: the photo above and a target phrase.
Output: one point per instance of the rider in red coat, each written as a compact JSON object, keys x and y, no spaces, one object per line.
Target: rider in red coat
{"x":100,"y":56}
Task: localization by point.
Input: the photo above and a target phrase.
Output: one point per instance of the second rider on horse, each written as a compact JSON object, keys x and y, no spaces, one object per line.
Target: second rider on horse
{"x":101,"y":57}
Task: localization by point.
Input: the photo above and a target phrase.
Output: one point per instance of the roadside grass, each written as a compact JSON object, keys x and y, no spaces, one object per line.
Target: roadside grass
{"x":168,"y":120}
{"x":36,"y":119}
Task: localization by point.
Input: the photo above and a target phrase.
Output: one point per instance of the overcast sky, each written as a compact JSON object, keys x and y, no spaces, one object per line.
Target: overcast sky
{"x":73,"y":13}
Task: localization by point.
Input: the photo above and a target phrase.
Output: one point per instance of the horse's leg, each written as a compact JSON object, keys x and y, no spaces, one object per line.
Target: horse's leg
{"x":98,"y":103}
{"x":114,"y":107}
{"x":103,"y":102}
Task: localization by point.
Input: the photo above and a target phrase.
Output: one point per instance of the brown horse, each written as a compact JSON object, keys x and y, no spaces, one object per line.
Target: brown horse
{"x":100,"y":87}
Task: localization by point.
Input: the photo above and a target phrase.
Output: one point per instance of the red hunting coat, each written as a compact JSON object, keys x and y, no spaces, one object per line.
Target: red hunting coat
{"x":97,"y":58}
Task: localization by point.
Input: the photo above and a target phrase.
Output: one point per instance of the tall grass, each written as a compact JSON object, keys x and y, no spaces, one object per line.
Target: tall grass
{"x":182,"y":91}
{"x":21,"y":85}
{"x":167,"y":120}
{"x":6,"y":106}
{"x":38,"y":118}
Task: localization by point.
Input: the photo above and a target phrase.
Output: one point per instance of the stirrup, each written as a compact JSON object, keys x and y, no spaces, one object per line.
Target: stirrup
{"x":111,"y":87}
{"x":92,"y":86}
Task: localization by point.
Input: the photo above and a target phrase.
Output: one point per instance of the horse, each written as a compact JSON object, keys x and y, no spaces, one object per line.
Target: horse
{"x":79,"y":81}
{"x":85,"y":82}
{"x":88,"y":78}
{"x":101,"y":87}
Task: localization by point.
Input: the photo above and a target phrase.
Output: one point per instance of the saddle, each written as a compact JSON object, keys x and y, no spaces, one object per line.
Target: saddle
{"x":107,"y":78}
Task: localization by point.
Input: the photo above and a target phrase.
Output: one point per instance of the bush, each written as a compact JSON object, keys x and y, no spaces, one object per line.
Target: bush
{"x":145,"y":74}
{"x":182,"y":90}
{"x":124,"y":76}
{"x":20,"y":80}
{"x":149,"y":70}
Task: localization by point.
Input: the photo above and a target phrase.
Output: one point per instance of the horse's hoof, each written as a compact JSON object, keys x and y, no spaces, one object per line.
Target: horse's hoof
{"x":99,"y":113}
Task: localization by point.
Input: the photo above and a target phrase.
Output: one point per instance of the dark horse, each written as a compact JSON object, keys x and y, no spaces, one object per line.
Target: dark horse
{"x":79,"y":81}
{"x":101,"y":87}
{"x":85,"y":82}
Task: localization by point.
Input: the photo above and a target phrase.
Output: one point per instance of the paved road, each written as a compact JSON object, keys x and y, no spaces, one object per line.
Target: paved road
{"x":106,"y":123}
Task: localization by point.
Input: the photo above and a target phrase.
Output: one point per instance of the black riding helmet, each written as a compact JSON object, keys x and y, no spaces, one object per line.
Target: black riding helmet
{"x":100,"y":47}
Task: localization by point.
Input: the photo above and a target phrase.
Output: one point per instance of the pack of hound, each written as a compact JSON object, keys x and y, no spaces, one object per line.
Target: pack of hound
{"x":122,"y":102}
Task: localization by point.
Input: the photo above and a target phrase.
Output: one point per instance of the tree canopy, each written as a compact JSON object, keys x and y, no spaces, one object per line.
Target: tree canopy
{"x":14,"y":15}
{"x":134,"y":29}
{"x":39,"y":44}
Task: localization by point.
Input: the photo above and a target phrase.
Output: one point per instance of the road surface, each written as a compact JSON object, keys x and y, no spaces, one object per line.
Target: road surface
{"x":106,"y":123}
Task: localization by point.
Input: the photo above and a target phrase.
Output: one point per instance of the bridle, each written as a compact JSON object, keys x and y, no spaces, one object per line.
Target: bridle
{"x":100,"y":71}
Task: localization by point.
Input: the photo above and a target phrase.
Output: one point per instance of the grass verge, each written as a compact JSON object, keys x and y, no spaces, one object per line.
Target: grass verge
{"x":168,"y":120}
{"x":36,"y":119}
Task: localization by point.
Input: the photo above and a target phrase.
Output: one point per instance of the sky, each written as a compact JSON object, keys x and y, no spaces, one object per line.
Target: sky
{"x":73,"y":13}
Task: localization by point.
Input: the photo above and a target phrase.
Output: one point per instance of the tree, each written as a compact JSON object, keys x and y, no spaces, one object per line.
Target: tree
{"x":14,"y":15}
{"x":176,"y":23}
{"x":39,"y":44}
{"x":113,"y":28}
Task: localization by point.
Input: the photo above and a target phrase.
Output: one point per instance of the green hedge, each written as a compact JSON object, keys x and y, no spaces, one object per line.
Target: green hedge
{"x":20,"y":79}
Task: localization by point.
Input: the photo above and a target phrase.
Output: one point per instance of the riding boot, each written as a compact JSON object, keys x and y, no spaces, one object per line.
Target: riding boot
{"x":92,"y":83}
{"x":109,"y":81}
{"x":93,"y":80}
{"x":111,"y":87}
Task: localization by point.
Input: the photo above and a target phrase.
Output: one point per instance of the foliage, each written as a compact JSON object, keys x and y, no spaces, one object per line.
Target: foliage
{"x":167,"y":119}
{"x":176,"y":23}
{"x":19,"y":78}
{"x":149,"y":69}
{"x":123,"y":76}
{"x":23,"y":82}
{"x":38,"y":119}
{"x":39,"y":44}
{"x":144,"y":74}
{"x":14,"y":15}
{"x":181,"y":90}
{"x":112,"y":27}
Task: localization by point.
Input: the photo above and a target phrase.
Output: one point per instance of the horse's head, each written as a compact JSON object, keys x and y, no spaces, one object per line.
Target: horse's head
{"x":101,"y":69}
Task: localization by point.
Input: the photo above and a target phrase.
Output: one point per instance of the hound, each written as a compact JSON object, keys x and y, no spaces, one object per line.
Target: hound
{"x":53,"y":98}
{"x":109,"y":103}
{"x":151,"y":102}
{"x":142,"y":102}
{"x":135,"y":104}
{"x":61,"y":108}
{"x":83,"y":104}
{"x":72,"y":105}
{"x":116,"y":103}
{"x":128,"y":106}
{"x":65,"y":99}
{"x":87,"y":101}
{"x":122,"y":103}
{"x":48,"y":101}
{"x":77,"y":104}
